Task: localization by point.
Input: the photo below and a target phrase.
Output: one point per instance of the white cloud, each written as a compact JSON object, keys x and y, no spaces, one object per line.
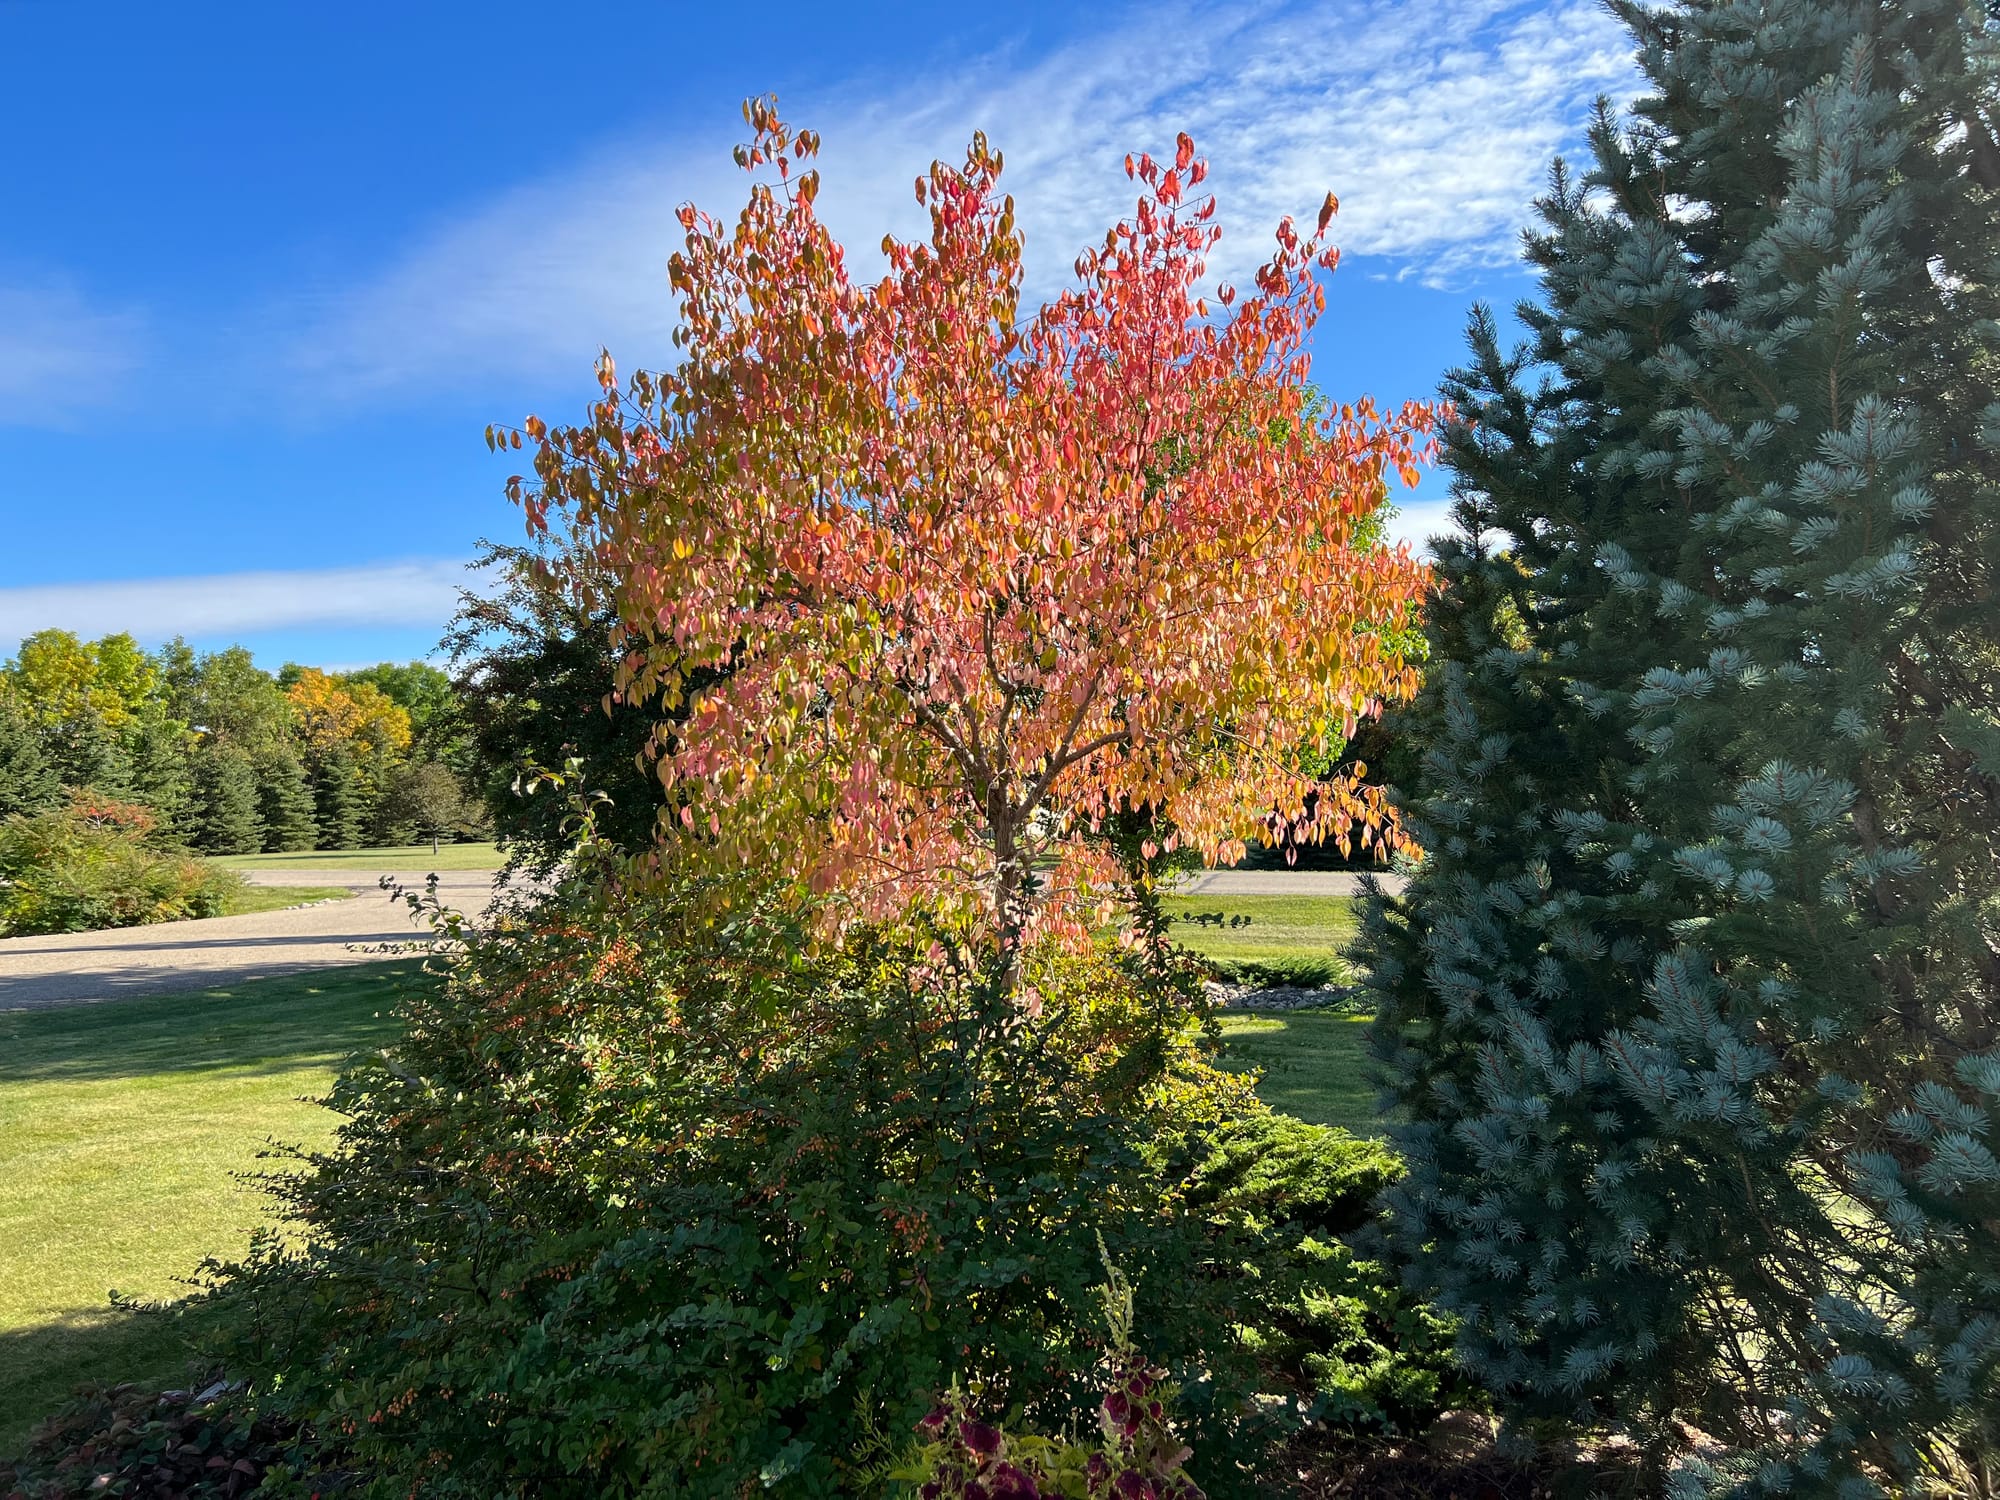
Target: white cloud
{"x":395,"y":593}
{"x":1434,"y":120}
{"x":60,"y":357}
{"x":1417,"y":521}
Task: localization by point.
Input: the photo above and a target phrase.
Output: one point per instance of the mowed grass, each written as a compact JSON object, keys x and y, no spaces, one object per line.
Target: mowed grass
{"x":401,"y":857}
{"x":255,"y":898}
{"x":123,"y":1130}
{"x":1268,"y":939}
{"x":1314,"y":1065}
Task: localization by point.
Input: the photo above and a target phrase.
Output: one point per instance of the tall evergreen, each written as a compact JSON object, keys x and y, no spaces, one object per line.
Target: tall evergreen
{"x":1695,"y":1002}
{"x":28,"y":781}
{"x":342,"y":807}
{"x":225,"y":817}
{"x":285,"y":799}
{"x":160,"y":755}
{"x":87,"y":752}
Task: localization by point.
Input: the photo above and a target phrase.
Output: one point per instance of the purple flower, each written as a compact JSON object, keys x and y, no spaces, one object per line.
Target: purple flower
{"x":1131,"y":1486}
{"x":934,"y":1422}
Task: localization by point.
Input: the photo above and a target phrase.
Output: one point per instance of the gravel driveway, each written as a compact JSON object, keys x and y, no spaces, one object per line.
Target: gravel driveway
{"x":81,"y":967}
{"x":77,"y":968}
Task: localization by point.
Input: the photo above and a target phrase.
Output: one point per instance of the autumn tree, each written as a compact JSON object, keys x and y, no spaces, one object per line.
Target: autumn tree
{"x":353,"y":735}
{"x":979,"y":575}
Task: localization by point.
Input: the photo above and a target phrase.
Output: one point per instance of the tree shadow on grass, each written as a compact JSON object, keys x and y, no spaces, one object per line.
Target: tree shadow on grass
{"x":43,"y":1364}
{"x":1315,"y":1066}
{"x":262,"y":1026}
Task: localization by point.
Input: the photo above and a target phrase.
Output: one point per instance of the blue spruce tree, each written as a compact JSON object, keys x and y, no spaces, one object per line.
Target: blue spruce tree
{"x":1694,"y":1004}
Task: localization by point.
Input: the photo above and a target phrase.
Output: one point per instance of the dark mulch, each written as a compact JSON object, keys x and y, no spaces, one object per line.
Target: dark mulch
{"x":1464,"y":1466}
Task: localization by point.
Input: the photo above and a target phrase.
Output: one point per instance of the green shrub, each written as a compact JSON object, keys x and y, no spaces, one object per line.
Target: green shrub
{"x":643,"y":1207}
{"x":89,"y":865}
{"x":1305,"y":971}
{"x":1290,"y":1208}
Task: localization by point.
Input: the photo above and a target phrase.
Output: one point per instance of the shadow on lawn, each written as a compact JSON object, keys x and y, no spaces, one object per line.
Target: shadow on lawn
{"x":43,"y":1364}
{"x":260,"y":1027}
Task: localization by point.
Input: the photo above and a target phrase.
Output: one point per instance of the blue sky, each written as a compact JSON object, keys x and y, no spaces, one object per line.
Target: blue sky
{"x":267,"y":271}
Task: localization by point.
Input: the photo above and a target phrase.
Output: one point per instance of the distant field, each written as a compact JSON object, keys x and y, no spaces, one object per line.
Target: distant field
{"x":124,"y":1128}
{"x":1268,"y":939}
{"x":255,"y":898}
{"x":402,"y":857}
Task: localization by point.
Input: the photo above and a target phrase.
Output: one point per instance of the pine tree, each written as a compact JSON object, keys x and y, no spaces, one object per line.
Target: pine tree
{"x":285,"y":799}
{"x":224,"y":817}
{"x":160,"y":755}
{"x":89,"y":753}
{"x":28,"y":782}
{"x":1695,"y":1002}
{"x":340,"y":800}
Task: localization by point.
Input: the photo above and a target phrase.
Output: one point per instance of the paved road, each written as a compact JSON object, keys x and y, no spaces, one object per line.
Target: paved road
{"x":1282,"y":883}
{"x":82,"y":967}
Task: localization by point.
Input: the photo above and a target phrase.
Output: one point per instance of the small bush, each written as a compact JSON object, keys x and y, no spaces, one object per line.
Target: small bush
{"x":90,"y":865}
{"x":1304,"y":971}
{"x":1290,"y":1208}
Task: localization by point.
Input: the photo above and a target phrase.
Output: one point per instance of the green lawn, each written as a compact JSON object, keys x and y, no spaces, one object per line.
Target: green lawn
{"x":1268,"y":939}
{"x":1314,"y":1065}
{"x":277,"y":897}
{"x":122,"y":1129}
{"x":402,"y":857}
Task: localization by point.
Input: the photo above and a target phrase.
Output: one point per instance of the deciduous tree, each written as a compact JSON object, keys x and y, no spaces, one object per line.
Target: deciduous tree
{"x":981,"y":575}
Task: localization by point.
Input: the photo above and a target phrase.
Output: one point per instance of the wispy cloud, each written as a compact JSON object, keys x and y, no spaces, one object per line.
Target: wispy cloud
{"x":61,"y":356}
{"x":228,"y":604}
{"x":1434,"y":120}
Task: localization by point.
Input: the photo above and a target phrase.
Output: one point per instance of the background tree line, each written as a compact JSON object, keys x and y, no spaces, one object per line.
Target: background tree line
{"x":230,"y":758}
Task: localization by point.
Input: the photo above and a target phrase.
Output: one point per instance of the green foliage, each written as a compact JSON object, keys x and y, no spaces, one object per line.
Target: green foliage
{"x":437,"y":730}
{"x":342,"y":800}
{"x":1291,"y":1200}
{"x":679,"y":1208}
{"x":28,"y":782}
{"x":427,"y":799}
{"x":89,"y":866}
{"x":225,"y":695}
{"x":226,"y":817}
{"x":1692,"y":1001}
{"x":172,"y":730}
{"x":536,"y":676}
{"x":285,"y":803}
